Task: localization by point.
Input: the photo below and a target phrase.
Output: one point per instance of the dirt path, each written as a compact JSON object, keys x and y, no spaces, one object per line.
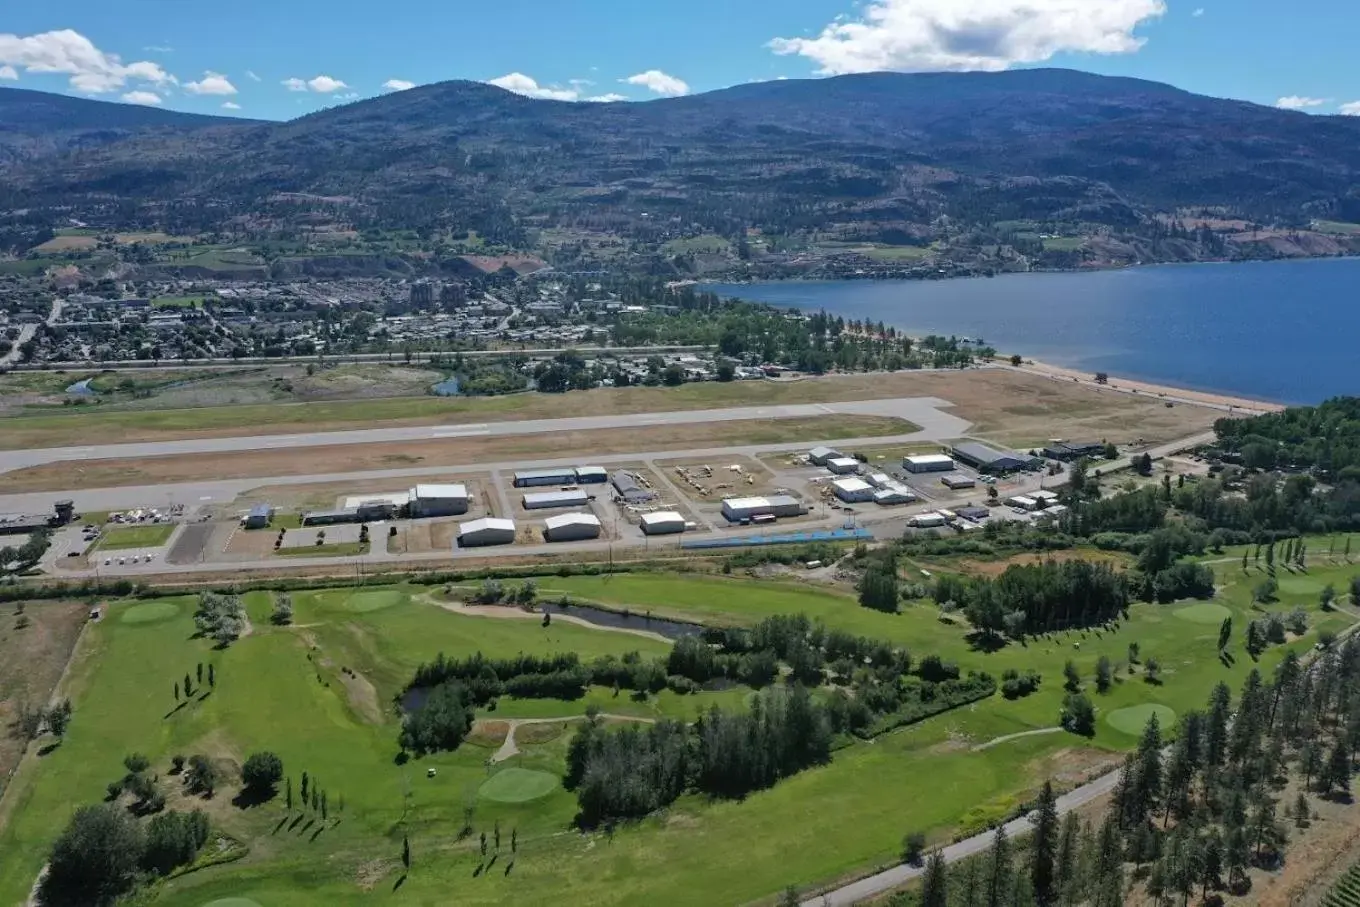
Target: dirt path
{"x":511,"y":612}
{"x":509,"y":748}
{"x":1039,"y":732}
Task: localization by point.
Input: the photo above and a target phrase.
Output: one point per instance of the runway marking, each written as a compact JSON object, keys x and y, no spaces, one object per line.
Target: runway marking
{"x":460,"y":431}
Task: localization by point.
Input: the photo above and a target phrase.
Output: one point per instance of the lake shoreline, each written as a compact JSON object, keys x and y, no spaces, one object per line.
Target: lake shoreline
{"x":1232,"y":405}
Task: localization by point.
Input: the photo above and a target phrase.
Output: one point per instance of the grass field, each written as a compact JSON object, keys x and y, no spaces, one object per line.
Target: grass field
{"x":345,"y":549}
{"x":283,"y":688}
{"x":898,"y":253}
{"x":121,"y":538}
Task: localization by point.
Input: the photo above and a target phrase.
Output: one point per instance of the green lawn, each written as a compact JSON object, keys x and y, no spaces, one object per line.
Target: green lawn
{"x":899,"y":253}
{"x":1063,"y":243}
{"x":283,"y":688}
{"x":1336,"y":226}
{"x":121,"y":538}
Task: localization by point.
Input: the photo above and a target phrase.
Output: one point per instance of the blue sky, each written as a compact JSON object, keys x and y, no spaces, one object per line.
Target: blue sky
{"x":283,"y":58}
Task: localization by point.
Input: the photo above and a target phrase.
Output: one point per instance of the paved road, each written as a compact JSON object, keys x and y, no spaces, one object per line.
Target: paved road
{"x":924,"y":411}
{"x":889,"y":879}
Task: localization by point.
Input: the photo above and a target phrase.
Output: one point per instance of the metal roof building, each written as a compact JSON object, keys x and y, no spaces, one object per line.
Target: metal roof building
{"x":486,"y":531}
{"x":259,"y":516}
{"x":439,"y":500}
{"x":819,"y":455}
{"x":663,"y":522}
{"x":571,"y":527}
{"x":534,"y":477}
{"x":894,"y":493}
{"x":928,"y":463}
{"x":779,"y":505}
{"x":544,"y":500}
{"x":958,"y":482}
{"x":591,"y":475}
{"x":987,"y":459}
{"x":853,"y":491}
{"x":627,"y":487}
{"x":842,"y":465}
{"x":1073,"y":450}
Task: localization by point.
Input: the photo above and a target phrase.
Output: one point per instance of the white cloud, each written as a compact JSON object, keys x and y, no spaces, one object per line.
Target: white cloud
{"x":230,"y":105}
{"x":250,"y":74}
{"x":611,"y":98}
{"x":325,"y":85}
{"x":1351,"y":109}
{"x":9,"y":72}
{"x":656,"y":81}
{"x":519,"y":83}
{"x":142,"y":97}
{"x":159,"y":49}
{"x":70,"y":53}
{"x":319,"y":84}
{"x":211,"y":83}
{"x":989,"y":35}
{"x":1297,"y":102}
{"x":398,"y":85}
{"x":1199,"y":11}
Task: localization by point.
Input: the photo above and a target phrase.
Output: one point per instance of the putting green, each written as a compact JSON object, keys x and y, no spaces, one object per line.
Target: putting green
{"x":517,"y":785}
{"x":233,"y":902}
{"x":1203,"y":613}
{"x":148,"y":613}
{"x":1134,"y":718}
{"x":373,"y":601}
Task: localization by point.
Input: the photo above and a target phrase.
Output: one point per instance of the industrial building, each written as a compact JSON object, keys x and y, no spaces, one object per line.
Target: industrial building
{"x":818,"y":456}
{"x":989,"y":460}
{"x":20,"y":523}
{"x":439,"y":500}
{"x":928,"y":520}
{"x":928,"y":463}
{"x":1044,"y":496}
{"x":1024,"y":502}
{"x":879,"y":479}
{"x":843,"y":466}
{"x":571,"y":527}
{"x":629,"y":490}
{"x":736,"y":510}
{"x":580,"y":475}
{"x":259,"y":517}
{"x":546,"y":500}
{"x":663,"y":522}
{"x":1074,"y":450}
{"x":486,"y":531}
{"x":957,"y":483}
{"x":976,"y":514}
{"x":894,"y":493}
{"x":853,"y":491}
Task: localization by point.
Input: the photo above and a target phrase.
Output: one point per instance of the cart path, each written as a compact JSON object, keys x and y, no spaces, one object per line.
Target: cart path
{"x":508,"y":748}
{"x":997,"y":741}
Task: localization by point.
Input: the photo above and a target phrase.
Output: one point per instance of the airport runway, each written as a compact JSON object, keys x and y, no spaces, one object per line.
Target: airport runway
{"x":924,"y":411}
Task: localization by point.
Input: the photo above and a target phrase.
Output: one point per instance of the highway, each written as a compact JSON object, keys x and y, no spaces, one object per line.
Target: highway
{"x":925,"y":412}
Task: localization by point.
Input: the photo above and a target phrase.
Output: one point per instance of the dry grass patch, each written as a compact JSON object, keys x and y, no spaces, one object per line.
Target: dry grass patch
{"x":436,"y":453}
{"x":35,"y":645}
{"x":490,"y":734}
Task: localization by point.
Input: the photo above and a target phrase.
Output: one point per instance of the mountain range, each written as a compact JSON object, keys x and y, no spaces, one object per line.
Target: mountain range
{"x":884,"y":147}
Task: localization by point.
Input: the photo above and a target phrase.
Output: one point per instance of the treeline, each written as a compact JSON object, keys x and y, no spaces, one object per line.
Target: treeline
{"x":630,"y":772}
{"x":1037,"y":598}
{"x":1324,"y":439}
{"x":1188,"y":818}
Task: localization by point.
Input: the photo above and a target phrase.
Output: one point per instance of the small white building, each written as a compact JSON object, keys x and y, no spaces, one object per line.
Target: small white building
{"x":928,"y":463}
{"x":1024,"y":502}
{"x":486,"y":531}
{"x":571,"y":527}
{"x":1045,"y":496}
{"x":780,"y":505}
{"x":894,"y":493}
{"x":663,"y":522}
{"x":879,"y":479}
{"x":439,"y":500}
{"x":957,"y":483}
{"x":546,"y":500}
{"x":853,"y":491}
{"x":843,"y":466}
{"x":928,"y":520}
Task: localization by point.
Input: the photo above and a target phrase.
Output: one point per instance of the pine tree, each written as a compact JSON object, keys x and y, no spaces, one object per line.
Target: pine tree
{"x":1337,"y":775}
{"x":1244,"y":562}
{"x":498,"y":835}
{"x":288,"y":794}
{"x":200,"y":673}
{"x":176,"y":691}
{"x":305,"y":781}
{"x":514,"y":840}
{"x":188,"y":687}
{"x":1224,"y":633}
{"x":935,"y":883}
{"x":1270,"y":559}
{"x":406,"y":851}
{"x":1149,"y":776}
{"x":212,"y":677}
{"x":998,"y":885}
{"x":1302,"y":812}
{"x":316,"y":797}
{"x":1044,"y":846}
{"x":323,"y":806}
{"x":1067,"y":863}
{"x":1236,"y":853}
{"x":1073,"y":678}
{"x":1211,"y":862}
{"x":972,"y":884}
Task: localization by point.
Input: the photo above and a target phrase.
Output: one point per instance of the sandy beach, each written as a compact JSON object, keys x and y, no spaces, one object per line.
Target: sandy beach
{"x":1116,"y":384}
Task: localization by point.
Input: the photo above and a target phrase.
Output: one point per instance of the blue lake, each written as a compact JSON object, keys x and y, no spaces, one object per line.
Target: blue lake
{"x":1283,"y":331}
